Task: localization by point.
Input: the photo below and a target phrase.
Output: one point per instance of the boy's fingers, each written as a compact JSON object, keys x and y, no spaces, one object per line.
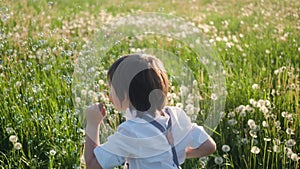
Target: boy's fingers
{"x":102,"y":109}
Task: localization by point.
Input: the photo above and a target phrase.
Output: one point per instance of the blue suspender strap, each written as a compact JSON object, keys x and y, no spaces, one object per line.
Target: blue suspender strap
{"x":167,"y":132}
{"x":175,"y":158}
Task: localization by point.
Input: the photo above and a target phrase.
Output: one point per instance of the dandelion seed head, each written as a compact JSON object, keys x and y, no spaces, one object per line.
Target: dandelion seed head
{"x":83,"y":92}
{"x":180,"y":105}
{"x":294,"y":157}
{"x":255,"y":150}
{"x":77,"y":99}
{"x":17,"y":146}
{"x":265,"y":124}
{"x":244,"y":140}
{"x":52,"y":152}
{"x":290,"y":143}
{"x":276,"y":148}
{"x":13,"y":138}
{"x":251,"y":123}
{"x":255,"y":86}
{"x":225,"y":148}
{"x":253,"y":134}
{"x":218,"y":160}
{"x":183,"y":90}
{"x":252,"y":101}
{"x":9,"y":130}
{"x":232,"y":122}
{"x":214,"y":96}
{"x":289,"y":131}
{"x":277,"y":141}
{"x":284,"y":114}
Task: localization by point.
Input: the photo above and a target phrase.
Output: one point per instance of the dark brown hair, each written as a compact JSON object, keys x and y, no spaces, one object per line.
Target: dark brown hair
{"x":142,"y":78}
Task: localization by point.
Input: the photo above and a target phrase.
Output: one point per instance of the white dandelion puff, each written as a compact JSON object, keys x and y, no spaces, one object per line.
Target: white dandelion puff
{"x":289,"y":131}
{"x":77,"y":99}
{"x":276,"y":148}
{"x":265,"y":124}
{"x":9,"y":130}
{"x":52,"y":152}
{"x":219,"y":160}
{"x":83,"y":92}
{"x":255,"y":150}
{"x":290,"y":143}
{"x":13,"y":138}
{"x":294,"y":157}
{"x":251,"y":123}
{"x":225,"y":148}
{"x":255,"y":86}
{"x":232,"y":122}
{"x":17,"y":146}
{"x":214,"y":96}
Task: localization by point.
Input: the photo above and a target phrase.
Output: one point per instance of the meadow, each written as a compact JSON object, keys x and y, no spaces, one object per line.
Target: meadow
{"x":256,"y":42}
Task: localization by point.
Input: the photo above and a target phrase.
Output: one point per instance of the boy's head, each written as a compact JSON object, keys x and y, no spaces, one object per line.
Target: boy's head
{"x":142,"y":79}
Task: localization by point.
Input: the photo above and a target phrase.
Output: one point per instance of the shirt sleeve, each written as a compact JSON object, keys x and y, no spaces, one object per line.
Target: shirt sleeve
{"x":110,"y":159}
{"x":199,"y":136}
{"x":106,"y":159}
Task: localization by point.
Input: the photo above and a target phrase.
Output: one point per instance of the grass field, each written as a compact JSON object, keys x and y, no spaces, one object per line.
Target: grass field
{"x":257,"y":42}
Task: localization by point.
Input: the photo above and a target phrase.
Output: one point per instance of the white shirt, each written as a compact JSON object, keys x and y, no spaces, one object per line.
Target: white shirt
{"x":146,"y":147}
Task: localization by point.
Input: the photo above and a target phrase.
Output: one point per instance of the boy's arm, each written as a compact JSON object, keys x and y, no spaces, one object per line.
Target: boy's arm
{"x":205,"y":149}
{"x":94,"y":115}
{"x":91,"y":142}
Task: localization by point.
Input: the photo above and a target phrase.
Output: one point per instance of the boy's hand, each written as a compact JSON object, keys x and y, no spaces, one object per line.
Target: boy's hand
{"x":95,"y":113}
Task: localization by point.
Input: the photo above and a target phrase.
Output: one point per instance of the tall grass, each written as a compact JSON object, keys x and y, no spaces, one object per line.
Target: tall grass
{"x":257,"y":42}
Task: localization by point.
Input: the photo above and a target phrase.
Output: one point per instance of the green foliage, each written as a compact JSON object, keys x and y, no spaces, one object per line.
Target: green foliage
{"x":41,"y":40}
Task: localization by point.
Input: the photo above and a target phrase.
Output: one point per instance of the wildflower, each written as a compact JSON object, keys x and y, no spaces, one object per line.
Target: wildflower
{"x":9,"y":130}
{"x":276,"y":141}
{"x":225,"y":148}
{"x":289,"y":152}
{"x":183,"y":90}
{"x":284,"y":114}
{"x":267,"y":139}
{"x":77,"y":99}
{"x":90,"y":93}
{"x":17,"y":146}
{"x":294,"y":157}
{"x":219,"y":160}
{"x":13,"y":138}
{"x":252,"y":101}
{"x":83,"y":92}
{"x":290,"y":143}
{"x":249,"y":108}
{"x":180,"y":105}
{"x":251,"y":123}
{"x":260,"y":103}
{"x":255,"y":150}
{"x":289,"y":131}
{"x":231,"y":114}
{"x":255,"y":86}
{"x":189,"y":109}
{"x":232,"y":122}
{"x":265,"y":110}
{"x":244,"y":140}
{"x":213,"y":96}
{"x":240,"y":108}
{"x":277,"y":125}
{"x":253,"y":134}
{"x":52,"y":152}
{"x":276,"y":148}
{"x":265,"y":124}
